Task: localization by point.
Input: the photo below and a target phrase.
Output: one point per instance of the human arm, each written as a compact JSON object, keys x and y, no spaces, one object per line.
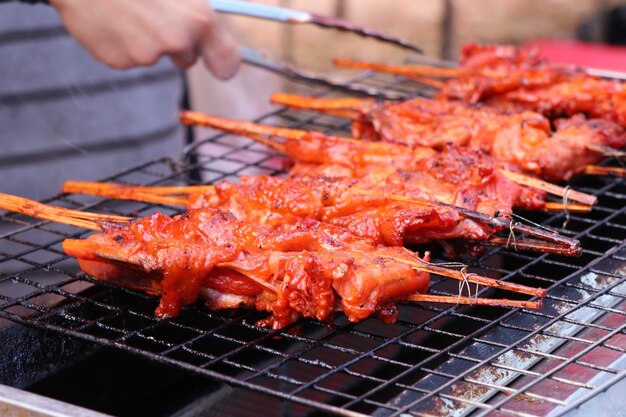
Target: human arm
{"x":125,"y":34}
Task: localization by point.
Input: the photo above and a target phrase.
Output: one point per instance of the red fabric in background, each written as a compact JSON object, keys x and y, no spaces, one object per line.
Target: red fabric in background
{"x":586,"y":54}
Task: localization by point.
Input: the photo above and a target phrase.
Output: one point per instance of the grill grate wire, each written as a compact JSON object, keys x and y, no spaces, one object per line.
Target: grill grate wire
{"x":435,"y":360}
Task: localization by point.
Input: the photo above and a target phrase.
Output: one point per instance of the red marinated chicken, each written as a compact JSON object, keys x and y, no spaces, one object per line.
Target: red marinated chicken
{"x":531,"y":84}
{"x":231,"y":263}
{"x":501,"y":58}
{"x":368,"y":213}
{"x":524,"y":139}
{"x":455,"y":176}
{"x":469,"y":181}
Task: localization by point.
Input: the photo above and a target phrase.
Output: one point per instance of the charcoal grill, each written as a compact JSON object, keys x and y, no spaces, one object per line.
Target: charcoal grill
{"x":436,"y":360}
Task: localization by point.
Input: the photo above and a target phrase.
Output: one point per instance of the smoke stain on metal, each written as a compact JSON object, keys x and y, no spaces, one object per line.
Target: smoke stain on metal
{"x":478,"y":386}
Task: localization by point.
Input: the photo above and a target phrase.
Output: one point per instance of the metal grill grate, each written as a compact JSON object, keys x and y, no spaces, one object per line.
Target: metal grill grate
{"x":435,"y":360}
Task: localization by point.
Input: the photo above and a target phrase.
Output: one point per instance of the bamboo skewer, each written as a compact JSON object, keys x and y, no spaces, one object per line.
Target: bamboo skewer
{"x":88,"y":187}
{"x":549,"y":205}
{"x":550,"y":188}
{"x":161,"y":195}
{"x":346,"y":107}
{"x":261,"y":133}
{"x":473,"y":278}
{"x":605,"y":150}
{"x":553,"y":206}
{"x":57,"y":214}
{"x":534,"y":245}
{"x":237,"y":126}
{"x":88,"y":250}
{"x":406,"y":70}
{"x":265,"y":140}
{"x":173,"y":195}
{"x":601,"y":170}
{"x":451,"y":299}
{"x":482,"y":280}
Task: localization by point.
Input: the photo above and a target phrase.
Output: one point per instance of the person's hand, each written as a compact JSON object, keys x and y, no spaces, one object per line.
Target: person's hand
{"x":130,"y":33}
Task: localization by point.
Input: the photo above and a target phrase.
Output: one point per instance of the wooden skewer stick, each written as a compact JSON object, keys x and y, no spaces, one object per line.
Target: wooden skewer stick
{"x":407,"y":70}
{"x":414,"y":70}
{"x":265,"y":140}
{"x":239,"y":126}
{"x":89,"y":250}
{"x":535,"y":245}
{"x":486,"y":281}
{"x":601,"y":170}
{"x":549,"y":205}
{"x":261,"y":133}
{"x":450,"y":299}
{"x":346,"y":107}
{"x":550,"y":188}
{"x":554,"y":206}
{"x":131,"y":192}
{"x":605,"y":150}
{"x":57,"y":214}
{"x":88,"y":187}
{"x":428,"y":81}
{"x":473,"y":278}
{"x":148,"y":198}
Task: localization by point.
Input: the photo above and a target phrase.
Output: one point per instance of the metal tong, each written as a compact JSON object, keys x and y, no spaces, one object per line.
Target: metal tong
{"x":282,"y":14}
{"x":261,"y":60}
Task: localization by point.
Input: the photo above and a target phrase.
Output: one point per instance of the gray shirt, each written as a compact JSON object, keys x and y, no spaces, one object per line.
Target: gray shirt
{"x":64,"y":115}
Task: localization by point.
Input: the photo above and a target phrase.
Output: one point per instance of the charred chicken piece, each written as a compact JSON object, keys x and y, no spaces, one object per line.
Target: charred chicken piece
{"x":232,"y":263}
{"x":460,"y":178}
{"x":524,"y":139}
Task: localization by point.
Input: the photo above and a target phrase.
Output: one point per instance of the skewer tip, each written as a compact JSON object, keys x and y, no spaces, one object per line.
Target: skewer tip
{"x":186,"y":117}
{"x":602,"y":170}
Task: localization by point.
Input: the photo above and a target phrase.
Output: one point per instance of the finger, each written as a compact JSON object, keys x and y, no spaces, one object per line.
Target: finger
{"x":219,"y":51}
{"x":184,"y":60}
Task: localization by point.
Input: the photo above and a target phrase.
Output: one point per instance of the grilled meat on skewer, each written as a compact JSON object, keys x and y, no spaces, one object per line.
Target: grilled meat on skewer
{"x":375,"y":161}
{"x":466,"y":184}
{"x":304,"y":273}
{"x":524,"y":139}
{"x":553,"y":92}
{"x":375,"y":214}
{"x":232,"y":263}
{"x":513,"y":79}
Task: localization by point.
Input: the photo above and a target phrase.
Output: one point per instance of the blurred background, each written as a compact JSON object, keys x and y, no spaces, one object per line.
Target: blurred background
{"x":66,"y":116}
{"x":440,"y":27}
